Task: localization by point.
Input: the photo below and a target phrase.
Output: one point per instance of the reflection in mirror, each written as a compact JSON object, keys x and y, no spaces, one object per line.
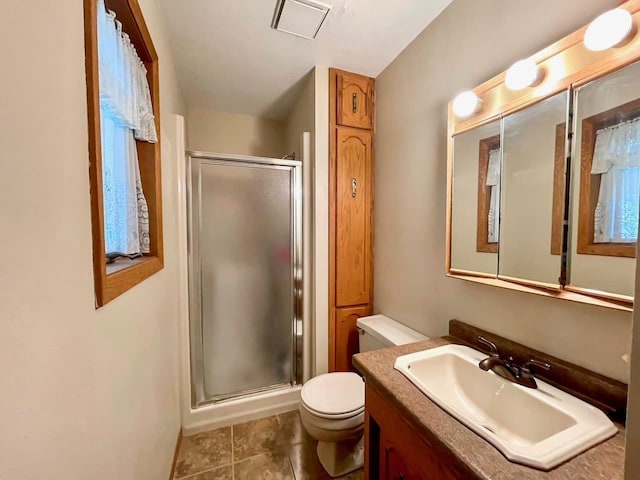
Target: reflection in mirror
{"x":533,"y":180}
{"x":606,"y":183}
{"x":475,"y":202}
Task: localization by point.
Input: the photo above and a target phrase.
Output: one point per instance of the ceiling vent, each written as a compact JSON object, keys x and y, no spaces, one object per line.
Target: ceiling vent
{"x":302,"y":18}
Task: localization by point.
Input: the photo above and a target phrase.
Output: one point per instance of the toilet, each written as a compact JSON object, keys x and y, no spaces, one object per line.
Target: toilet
{"x":332,"y":404}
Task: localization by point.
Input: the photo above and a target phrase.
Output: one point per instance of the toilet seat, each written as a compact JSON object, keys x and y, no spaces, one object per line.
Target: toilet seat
{"x":337,"y":395}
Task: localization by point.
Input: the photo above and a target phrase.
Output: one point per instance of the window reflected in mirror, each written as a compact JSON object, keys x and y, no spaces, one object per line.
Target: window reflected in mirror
{"x":606,"y":182}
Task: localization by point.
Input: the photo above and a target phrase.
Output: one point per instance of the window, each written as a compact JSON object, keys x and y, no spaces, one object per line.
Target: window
{"x":124,"y":148}
{"x":488,"y":195}
{"x":610,"y":182}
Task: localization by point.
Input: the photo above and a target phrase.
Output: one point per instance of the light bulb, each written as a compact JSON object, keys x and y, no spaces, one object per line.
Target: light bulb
{"x":522,"y":74}
{"x":466,"y":104}
{"x":608,"y":30}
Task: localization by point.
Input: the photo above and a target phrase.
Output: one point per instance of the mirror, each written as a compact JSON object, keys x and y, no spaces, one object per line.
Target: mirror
{"x":475,"y":201}
{"x":606,"y":184}
{"x":533,"y":185}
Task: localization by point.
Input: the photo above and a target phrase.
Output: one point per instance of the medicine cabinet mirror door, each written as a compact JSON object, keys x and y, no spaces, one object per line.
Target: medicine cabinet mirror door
{"x":475,"y":201}
{"x":606,"y":184}
{"x":533,"y":186}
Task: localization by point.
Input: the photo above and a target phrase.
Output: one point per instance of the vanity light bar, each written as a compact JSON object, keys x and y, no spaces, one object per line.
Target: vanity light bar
{"x":608,"y":30}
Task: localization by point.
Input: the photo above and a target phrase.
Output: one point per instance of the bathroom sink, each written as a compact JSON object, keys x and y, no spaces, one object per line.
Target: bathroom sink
{"x":540,"y":427}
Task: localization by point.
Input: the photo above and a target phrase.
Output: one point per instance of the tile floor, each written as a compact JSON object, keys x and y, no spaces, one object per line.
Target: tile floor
{"x":273,"y":448}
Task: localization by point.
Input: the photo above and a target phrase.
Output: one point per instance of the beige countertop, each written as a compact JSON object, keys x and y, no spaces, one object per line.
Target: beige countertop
{"x":602,"y":462}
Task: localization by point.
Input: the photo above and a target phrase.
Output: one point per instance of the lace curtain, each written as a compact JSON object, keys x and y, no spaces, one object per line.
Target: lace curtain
{"x":617,"y":159}
{"x":493,"y":181}
{"x":126,"y":114}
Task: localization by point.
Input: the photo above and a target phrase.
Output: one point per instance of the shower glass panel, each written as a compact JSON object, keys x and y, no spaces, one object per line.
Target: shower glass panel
{"x":245,"y":256}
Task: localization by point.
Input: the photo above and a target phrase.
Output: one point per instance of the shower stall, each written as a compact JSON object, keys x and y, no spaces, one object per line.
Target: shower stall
{"x":245,"y":275}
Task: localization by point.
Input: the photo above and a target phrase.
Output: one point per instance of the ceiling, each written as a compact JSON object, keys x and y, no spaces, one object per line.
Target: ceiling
{"x":229,"y":58}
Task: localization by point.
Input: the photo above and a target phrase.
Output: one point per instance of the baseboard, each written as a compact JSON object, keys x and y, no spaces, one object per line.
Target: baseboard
{"x":175,"y":454}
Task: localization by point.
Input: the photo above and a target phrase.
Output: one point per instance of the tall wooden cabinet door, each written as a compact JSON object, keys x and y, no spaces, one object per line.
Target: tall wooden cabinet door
{"x":353,"y":217}
{"x":347,"y":336}
{"x":355,"y":100}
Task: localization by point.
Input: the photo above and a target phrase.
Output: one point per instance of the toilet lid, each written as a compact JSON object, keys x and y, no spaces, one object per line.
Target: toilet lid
{"x":334,"y":393}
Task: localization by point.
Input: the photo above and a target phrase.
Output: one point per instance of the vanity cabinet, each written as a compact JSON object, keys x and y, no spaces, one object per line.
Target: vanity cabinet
{"x":394,"y":449}
{"x":350,"y":212}
{"x":354,"y":100}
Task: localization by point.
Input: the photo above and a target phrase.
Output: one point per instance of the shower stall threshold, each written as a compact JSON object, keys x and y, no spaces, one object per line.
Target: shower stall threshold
{"x":243,"y":408}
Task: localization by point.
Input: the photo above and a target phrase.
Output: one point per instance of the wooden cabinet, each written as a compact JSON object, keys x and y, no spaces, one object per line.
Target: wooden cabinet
{"x":353,"y":217}
{"x":351,"y":118}
{"x":395,"y":450}
{"x":392,"y":463}
{"x":347,"y":336}
{"x":354,"y":100}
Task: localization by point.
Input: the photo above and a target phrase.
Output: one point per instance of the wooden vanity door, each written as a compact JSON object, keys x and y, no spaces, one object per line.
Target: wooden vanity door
{"x":353,"y":217}
{"x":355,"y":101}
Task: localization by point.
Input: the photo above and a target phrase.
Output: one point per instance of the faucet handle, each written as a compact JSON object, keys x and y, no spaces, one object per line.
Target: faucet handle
{"x":532,"y":362}
{"x":492,"y":346}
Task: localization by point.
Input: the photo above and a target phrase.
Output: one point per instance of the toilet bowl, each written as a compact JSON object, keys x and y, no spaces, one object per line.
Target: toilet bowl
{"x":332,"y":404}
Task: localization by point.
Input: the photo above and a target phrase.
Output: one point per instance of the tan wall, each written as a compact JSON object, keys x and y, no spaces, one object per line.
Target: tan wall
{"x":302,"y":117}
{"x":461,"y":49}
{"x":632,"y":460}
{"x":221,"y":132}
{"x":85,"y":393}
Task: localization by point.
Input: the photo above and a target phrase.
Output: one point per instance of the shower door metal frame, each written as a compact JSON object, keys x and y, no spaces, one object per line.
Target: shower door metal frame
{"x":195,"y":324}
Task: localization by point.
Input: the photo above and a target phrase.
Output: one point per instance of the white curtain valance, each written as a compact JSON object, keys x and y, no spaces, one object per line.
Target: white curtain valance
{"x":493,"y":181}
{"x":617,"y":159}
{"x":618,"y":145}
{"x":124,"y":89}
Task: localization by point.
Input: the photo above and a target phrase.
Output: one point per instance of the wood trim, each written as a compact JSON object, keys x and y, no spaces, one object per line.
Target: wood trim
{"x":564,"y":294}
{"x":109,"y":286}
{"x":531,"y":283}
{"x":484,"y":196}
{"x":559,"y":190}
{"x":615,"y":297}
{"x":176,"y":453}
{"x":449,"y":199}
{"x":590,"y":184}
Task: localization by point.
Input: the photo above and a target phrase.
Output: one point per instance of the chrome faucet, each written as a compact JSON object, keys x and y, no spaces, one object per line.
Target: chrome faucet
{"x":508,"y":369}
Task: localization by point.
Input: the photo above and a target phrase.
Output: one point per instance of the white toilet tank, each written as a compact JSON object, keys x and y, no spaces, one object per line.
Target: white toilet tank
{"x":380,"y":331}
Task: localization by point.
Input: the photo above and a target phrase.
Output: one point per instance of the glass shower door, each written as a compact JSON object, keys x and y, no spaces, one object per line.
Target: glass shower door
{"x":245,"y":251}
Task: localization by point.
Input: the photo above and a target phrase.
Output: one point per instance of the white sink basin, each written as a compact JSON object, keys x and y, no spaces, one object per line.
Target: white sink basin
{"x":540,"y":427}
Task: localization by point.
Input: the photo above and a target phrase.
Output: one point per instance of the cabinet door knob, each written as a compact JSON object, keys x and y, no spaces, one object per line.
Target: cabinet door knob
{"x":400,"y":477}
{"x":354,"y":187}
{"x":354,"y":102}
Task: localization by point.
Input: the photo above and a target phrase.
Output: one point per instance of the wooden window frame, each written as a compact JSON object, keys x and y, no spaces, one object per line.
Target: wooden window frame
{"x":110,"y":285}
{"x":590,"y":183}
{"x":484,"y":196}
